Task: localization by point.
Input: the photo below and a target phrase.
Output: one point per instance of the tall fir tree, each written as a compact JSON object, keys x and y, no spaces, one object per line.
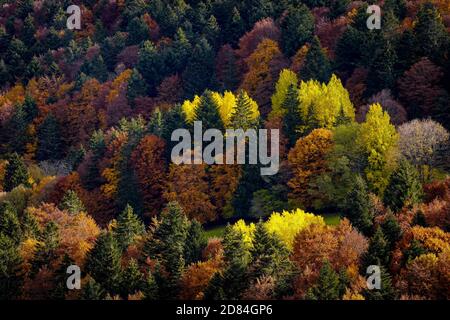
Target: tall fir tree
{"x":129,"y":226}
{"x":199,"y":71}
{"x":386,"y":291}
{"x":317,"y":65}
{"x":132,"y":280}
{"x":49,"y":140}
{"x":404,"y":187}
{"x":136,"y":87}
{"x":195,"y":243}
{"x":16,"y":173}
{"x":11,"y":272}
{"x":378,"y":252}
{"x":9,"y":222}
{"x":167,"y":245}
{"x":103,"y":263}
{"x":358,"y":207}
{"x":241,"y":118}
{"x":72,"y":203}
{"x":327,"y":287}
{"x":208,"y":112}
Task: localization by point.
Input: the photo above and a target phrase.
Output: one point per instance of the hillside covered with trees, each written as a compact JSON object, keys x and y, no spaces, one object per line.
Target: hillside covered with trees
{"x":86,"y":177}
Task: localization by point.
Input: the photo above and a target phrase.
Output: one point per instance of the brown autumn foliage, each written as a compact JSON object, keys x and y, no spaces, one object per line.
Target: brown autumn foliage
{"x":356,"y":87}
{"x":264,"y":66}
{"x":77,"y":232}
{"x":196,"y":278}
{"x":342,"y":246}
{"x":419,"y":86}
{"x":224,"y":182}
{"x":307,"y":160}
{"x":188,"y":185}
{"x":148,"y":162}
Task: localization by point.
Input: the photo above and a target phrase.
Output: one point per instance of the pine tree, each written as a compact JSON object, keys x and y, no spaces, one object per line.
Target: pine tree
{"x":208,"y":112}
{"x":15,"y":173}
{"x":30,"y":226}
{"x":150,"y":288}
{"x":215,"y":290}
{"x":197,"y":75}
{"x":138,"y":31}
{"x":60,"y":279}
{"x":309,"y":121}
{"x":4,"y":74}
{"x":292,"y":119}
{"x":392,"y":230}
{"x":30,"y":109}
{"x":241,"y":118}
{"x":49,"y":139}
{"x":17,"y":135}
{"x":236,"y":257}
{"x":95,"y":68}
{"x":9,"y":222}
{"x":397,"y":6}
{"x":48,"y":242}
{"x":195,"y":243}
{"x":11,"y":275}
{"x":174,"y":119}
{"x":103,"y":263}
{"x":297,"y":28}
{"x":212,"y":31}
{"x":156,"y":123}
{"x":93,"y":291}
{"x":28,"y":31}
{"x":167,"y":244}
{"x":378,"y":252}
{"x":358,"y":207}
{"x":386,"y":291}
{"x":430,"y":33}
{"x":317,"y":66}
{"x":382,"y":73}
{"x":136,"y":87}
{"x":132,"y":280}
{"x":327,"y":287}
{"x":269,"y":257}
{"x":129,"y":226}
{"x":72,"y":203}
{"x":404,"y":187}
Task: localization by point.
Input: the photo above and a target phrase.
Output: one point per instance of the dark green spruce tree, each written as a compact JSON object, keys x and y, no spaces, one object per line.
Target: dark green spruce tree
{"x":378,"y":252}
{"x":129,"y":226}
{"x":49,"y":139}
{"x":317,"y":66}
{"x":167,"y":245}
{"x":358,"y":207}
{"x":103,"y":263}
{"x":404,"y":187}
{"x":327,"y":287}
{"x":72,"y":203}
{"x":195,"y":243}
{"x":11,"y":274}
{"x":16,"y":173}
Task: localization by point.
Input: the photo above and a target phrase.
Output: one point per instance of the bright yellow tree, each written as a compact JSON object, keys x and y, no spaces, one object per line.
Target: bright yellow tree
{"x":378,"y":138}
{"x":287,"y":224}
{"x":286,"y":79}
{"x":325,"y":101}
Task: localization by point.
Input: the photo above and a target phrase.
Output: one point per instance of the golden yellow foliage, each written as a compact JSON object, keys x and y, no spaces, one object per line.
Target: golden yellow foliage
{"x":287,"y":224}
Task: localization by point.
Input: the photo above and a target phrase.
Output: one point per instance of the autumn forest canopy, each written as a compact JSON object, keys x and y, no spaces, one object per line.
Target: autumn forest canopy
{"x":87,"y":178}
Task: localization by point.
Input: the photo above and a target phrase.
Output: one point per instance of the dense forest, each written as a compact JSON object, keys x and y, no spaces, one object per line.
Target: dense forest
{"x":86,"y":177}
